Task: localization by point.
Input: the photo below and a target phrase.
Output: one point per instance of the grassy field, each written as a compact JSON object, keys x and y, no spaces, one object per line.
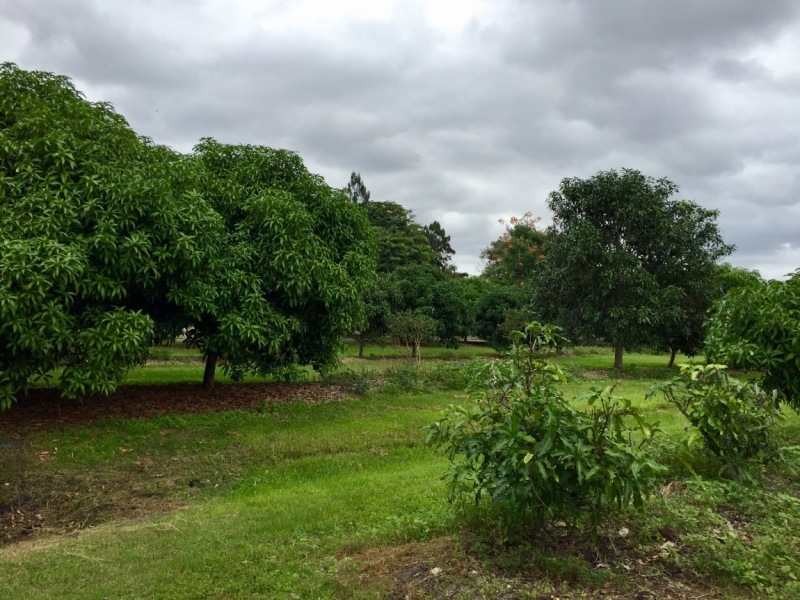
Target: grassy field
{"x":340,"y":500}
{"x":180,"y":365}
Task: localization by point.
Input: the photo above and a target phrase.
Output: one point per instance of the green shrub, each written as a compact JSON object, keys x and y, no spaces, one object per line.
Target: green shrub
{"x":522,"y":444}
{"x":756,"y":326}
{"x":734,"y":420}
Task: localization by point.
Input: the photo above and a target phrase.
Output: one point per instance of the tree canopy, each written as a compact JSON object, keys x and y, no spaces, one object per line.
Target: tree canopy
{"x":109,"y":243}
{"x":99,"y":228}
{"x":425,"y":290}
{"x":514,"y":257}
{"x":756,"y":326}
{"x":284,"y":288}
{"x":625,"y":260}
{"x":493,"y":310}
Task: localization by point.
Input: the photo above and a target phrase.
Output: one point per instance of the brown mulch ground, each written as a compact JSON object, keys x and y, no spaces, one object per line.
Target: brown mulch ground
{"x":44,"y":410}
{"x":445,"y":568}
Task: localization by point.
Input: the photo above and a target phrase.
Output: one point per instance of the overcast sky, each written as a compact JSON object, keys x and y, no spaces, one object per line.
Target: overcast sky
{"x":464,"y":111}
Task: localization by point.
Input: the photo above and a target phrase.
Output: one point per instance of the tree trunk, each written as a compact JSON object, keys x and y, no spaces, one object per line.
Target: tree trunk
{"x":618,"y":354}
{"x":672,"y":358}
{"x":208,"y":375}
{"x":360,"y":348}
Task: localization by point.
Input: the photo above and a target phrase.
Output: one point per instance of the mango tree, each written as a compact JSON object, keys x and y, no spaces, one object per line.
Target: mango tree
{"x":285,"y":286}
{"x":620,"y":252}
{"x":99,"y":229}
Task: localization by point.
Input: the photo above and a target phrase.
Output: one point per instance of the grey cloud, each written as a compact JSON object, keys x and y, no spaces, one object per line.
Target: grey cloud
{"x":469,"y":128}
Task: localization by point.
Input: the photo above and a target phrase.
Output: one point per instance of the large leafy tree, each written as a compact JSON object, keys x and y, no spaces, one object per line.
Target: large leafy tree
{"x":401,"y":241}
{"x":474,"y":289}
{"x":99,"y":230}
{"x":756,"y":325}
{"x":514,"y":257}
{"x":692,"y":246}
{"x":619,"y":251}
{"x":285,"y":287}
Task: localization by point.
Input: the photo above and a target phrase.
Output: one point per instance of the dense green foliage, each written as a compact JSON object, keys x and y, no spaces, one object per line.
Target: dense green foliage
{"x":691,"y":245}
{"x":756,"y":326}
{"x":377,"y":309}
{"x":401,"y":241}
{"x":424,"y":289}
{"x":492,"y":312}
{"x":523,"y":444}
{"x":735,"y":420}
{"x":110,"y":243}
{"x":625,"y":263}
{"x":513,"y":258}
{"x":298,"y":256}
{"x":98,"y":230}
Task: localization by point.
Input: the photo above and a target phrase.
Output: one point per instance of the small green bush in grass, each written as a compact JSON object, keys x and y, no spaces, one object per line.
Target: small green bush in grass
{"x":522,"y":444}
{"x":734,"y":420}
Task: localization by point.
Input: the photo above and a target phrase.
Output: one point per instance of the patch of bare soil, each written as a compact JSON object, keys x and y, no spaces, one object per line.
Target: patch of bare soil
{"x":36,"y":499}
{"x":444,"y":569}
{"x":65,"y":504}
{"x":44,"y":410}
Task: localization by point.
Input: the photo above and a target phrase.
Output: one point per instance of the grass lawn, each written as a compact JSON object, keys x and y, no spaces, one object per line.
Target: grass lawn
{"x":340,"y":500}
{"x":464,"y":351}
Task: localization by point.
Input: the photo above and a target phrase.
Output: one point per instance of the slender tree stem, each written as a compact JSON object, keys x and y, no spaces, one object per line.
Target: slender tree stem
{"x":618,"y":354}
{"x":208,"y":374}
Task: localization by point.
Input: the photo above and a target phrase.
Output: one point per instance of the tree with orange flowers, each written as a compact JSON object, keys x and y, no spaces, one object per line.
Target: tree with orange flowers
{"x":514,"y":257}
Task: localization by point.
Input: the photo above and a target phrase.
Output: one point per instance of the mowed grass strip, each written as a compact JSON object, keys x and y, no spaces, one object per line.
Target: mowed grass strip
{"x":308,"y":478}
{"x":272,"y":503}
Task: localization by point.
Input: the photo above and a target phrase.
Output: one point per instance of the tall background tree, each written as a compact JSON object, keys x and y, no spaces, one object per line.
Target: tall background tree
{"x":357,"y":191}
{"x":514,"y":257}
{"x":377,"y":301}
{"x":439,"y":243}
{"x":618,"y":250}
{"x":500,"y":310}
{"x":692,"y":247}
{"x":425,"y":290}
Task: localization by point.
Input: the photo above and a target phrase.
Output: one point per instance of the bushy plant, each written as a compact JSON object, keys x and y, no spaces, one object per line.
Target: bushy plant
{"x":756,"y":326}
{"x":733,"y":419}
{"x":522,"y":444}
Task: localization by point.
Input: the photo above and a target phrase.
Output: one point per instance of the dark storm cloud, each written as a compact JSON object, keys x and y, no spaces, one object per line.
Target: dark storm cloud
{"x":470,"y":126}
